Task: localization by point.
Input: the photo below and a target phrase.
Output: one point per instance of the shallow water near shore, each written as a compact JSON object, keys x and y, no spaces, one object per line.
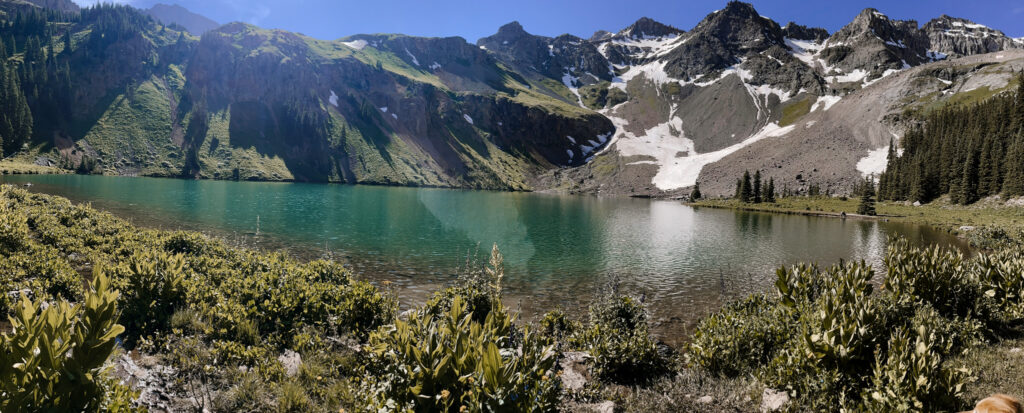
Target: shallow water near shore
{"x":560,"y":251}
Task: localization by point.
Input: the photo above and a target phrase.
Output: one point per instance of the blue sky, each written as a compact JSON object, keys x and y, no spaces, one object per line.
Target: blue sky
{"x":472,"y":19}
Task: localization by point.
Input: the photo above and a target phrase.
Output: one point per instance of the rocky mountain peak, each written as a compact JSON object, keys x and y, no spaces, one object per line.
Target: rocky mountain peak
{"x":601,"y":35}
{"x":740,"y":26}
{"x":512,"y":29}
{"x":954,"y":36}
{"x":874,"y":43}
{"x":801,"y":32}
{"x":646,"y":27}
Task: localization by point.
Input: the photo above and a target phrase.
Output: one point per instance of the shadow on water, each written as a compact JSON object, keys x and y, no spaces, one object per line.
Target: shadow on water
{"x":559,"y":250}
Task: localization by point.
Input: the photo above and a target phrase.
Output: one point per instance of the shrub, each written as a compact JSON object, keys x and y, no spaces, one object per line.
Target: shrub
{"x":364,"y":309}
{"x":442,"y":363}
{"x":934,"y":277}
{"x":155,"y":282}
{"x":911,"y":378}
{"x":742,"y":337}
{"x":557,"y":326}
{"x":1001,"y":276}
{"x":13,"y":230}
{"x":617,"y":338}
{"x":53,"y":360}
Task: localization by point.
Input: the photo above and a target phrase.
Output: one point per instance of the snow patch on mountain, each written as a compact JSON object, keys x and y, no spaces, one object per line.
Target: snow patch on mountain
{"x":570,"y":82}
{"x":384,"y":109}
{"x":356,"y":44}
{"x":874,"y":163}
{"x":414,"y":61}
{"x":435,"y":66}
{"x":653,"y":71}
{"x":333,"y":99}
{"x":467,"y":118}
{"x":804,"y":50}
{"x":825,"y":102}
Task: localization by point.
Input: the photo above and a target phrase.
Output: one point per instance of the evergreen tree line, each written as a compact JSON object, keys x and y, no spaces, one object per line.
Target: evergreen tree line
{"x":36,"y":48}
{"x":755,"y":190}
{"x":15,"y":115}
{"x":968,"y":152}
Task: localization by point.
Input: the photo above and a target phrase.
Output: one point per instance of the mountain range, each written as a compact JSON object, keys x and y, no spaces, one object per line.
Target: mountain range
{"x":649,"y":110}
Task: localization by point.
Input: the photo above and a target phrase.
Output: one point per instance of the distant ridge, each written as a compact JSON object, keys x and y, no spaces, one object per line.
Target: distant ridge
{"x":175,"y":14}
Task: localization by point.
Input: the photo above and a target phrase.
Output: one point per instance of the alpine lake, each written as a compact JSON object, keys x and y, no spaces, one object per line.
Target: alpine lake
{"x":560,"y":251}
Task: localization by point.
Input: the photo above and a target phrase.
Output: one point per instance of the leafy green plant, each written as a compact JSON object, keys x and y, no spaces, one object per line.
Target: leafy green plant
{"x":618,"y":339}
{"x":1002,"y":279}
{"x":154,"y":281}
{"x":452,"y":362}
{"x":912,"y":378}
{"x":53,"y":360}
{"x":932,"y":276}
{"x":742,"y":337}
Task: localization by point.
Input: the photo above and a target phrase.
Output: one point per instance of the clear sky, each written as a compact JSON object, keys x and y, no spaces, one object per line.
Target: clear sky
{"x":472,"y":19}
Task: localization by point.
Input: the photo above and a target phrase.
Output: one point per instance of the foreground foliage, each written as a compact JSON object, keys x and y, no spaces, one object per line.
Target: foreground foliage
{"x":830,"y":339}
{"x":53,"y":359}
{"x":262,"y":332}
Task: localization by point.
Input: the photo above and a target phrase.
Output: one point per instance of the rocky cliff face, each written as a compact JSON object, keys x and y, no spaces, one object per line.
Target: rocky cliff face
{"x":958,"y":37}
{"x":568,"y":58}
{"x":874,"y":43}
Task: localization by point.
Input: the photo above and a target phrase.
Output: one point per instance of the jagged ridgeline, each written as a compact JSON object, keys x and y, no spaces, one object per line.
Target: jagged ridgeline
{"x":966,"y":151}
{"x":114,"y":91}
{"x":648,"y":110}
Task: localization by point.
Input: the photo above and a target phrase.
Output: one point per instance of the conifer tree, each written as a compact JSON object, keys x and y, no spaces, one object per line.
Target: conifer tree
{"x":746,"y":192}
{"x":867,"y":197}
{"x":757,"y":187}
{"x":968,"y":190}
{"x":695,"y":195}
{"x":770,"y":192}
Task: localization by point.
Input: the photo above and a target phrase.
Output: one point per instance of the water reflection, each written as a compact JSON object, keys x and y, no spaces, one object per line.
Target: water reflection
{"x":559,"y":250}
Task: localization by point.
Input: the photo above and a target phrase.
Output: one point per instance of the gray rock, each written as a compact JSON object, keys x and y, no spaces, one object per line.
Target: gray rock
{"x":606,"y":406}
{"x":575,"y":374}
{"x":291,"y":362}
{"x":772,"y":400}
{"x":706,"y":400}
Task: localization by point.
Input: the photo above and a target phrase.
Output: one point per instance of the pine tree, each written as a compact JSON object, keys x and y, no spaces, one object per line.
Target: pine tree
{"x":695,"y":195}
{"x":968,"y":191}
{"x":67,"y":42}
{"x":867,"y":198}
{"x":770,"y":192}
{"x":757,"y":187}
{"x":746,"y":192}
{"x":739,"y":189}
{"x":1013,"y":183}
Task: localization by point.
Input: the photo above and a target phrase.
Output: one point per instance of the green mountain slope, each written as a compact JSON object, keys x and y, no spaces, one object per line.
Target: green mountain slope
{"x":248,"y":103}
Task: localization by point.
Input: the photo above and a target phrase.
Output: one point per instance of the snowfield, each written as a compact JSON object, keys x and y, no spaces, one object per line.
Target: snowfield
{"x":356,"y":44}
{"x":333,"y":99}
{"x":874,"y":163}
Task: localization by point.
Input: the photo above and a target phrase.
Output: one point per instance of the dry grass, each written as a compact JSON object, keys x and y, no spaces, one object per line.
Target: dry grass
{"x":14,"y":167}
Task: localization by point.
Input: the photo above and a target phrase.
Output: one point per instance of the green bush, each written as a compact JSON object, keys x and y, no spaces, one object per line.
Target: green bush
{"x":934,"y":277}
{"x":1001,"y":276}
{"x":618,"y":339}
{"x":742,"y":337}
{"x":911,"y":378}
{"x":452,"y":362}
{"x":155,"y":286}
{"x":13,"y":230}
{"x":53,"y":360}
